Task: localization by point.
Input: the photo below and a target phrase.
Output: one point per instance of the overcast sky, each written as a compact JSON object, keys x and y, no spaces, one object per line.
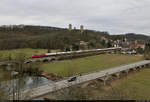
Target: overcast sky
{"x":114,"y":16}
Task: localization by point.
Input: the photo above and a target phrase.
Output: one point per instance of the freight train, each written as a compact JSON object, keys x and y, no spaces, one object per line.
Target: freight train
{"x":74,"y":52}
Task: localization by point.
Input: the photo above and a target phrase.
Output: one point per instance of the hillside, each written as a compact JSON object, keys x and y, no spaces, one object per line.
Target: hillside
{"x":132,"y":37}
{"x":44,"y":37}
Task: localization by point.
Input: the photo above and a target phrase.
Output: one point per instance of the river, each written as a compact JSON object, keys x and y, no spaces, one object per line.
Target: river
{"x":9,"y":83}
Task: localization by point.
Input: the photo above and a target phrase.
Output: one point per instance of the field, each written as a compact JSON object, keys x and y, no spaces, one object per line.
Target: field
{"x":140,"y":83}
{"x":88,"y":64}
{"x":137,"y":85}
{"x":4,"y":54}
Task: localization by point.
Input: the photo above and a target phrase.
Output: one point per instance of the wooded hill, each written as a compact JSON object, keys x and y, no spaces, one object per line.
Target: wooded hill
{"x":46,"y":37}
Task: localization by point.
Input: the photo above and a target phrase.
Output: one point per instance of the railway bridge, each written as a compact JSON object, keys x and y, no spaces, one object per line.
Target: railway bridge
{"x":73,"y":54}
{"x":69,"y":55}
{"x":103,"y":75}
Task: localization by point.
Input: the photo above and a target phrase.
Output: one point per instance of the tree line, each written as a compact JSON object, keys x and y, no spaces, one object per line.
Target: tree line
{"x":49,"y":38}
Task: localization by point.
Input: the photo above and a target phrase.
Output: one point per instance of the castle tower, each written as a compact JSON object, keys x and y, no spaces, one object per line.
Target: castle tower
{"x":81,"y":28}
{"x":70,"y":27}
{"x":74,"y":28}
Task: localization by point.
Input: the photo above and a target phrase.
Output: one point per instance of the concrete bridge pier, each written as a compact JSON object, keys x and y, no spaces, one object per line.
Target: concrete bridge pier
{"x":143,"y":66}
{"x":133,"y":70}
{"x":117,"y":75}
{"x":126,"y":71}
{"x":138,"y":68}
{"x":146,"y":65}
{"x":104,"y":79}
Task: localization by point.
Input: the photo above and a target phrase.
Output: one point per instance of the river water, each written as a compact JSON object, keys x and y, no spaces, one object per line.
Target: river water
{"x":25,"y":82}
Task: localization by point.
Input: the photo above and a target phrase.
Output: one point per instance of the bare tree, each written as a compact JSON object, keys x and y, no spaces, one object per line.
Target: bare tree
{"x":16,"y":82}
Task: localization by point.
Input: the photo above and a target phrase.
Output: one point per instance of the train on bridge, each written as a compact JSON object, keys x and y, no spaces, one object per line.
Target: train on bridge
{"x":74,"y":52}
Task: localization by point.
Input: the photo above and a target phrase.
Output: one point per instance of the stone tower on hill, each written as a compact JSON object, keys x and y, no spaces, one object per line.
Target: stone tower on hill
{"x":70,"y":27}
{"x":81,"y":28}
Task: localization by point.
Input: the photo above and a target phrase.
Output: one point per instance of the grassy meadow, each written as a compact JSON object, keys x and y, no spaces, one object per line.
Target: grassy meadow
{"x":135,"y":86}
{"x":88,"y":64}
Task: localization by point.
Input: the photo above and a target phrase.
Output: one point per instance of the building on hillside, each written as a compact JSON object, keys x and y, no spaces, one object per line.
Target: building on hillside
{"x":140,"y":46}
{"x":115,"y":45}
{"x":132,"y":45}
{"x":121,"y":43}
{"x":103,"y":38}
{"x":135,"y":45}
{"x":83,"y":43}
{"x":125,"y":45}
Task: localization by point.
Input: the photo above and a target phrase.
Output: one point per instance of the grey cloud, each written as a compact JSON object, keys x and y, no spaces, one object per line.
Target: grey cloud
{"x":115,"y":16}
